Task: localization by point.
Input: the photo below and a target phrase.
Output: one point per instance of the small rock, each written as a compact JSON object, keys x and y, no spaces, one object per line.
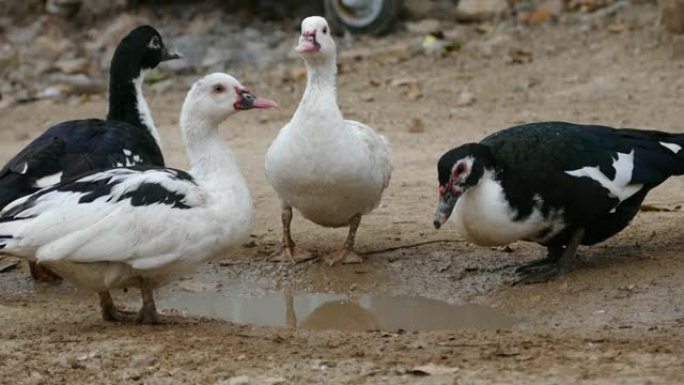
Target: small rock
{"x":34,"y":378}
{"x":275,"y":381}
{"x":403,"y":82}
{"x":586,"y":5}
{"x":489,"y":48}
{"x":51,"y":92}
{"x":519,"y":56}
{"x":8,"y":58}
{"x":432,"y":370}
{"x":66,"y":8}
{"x":239,"y":380}
{"x":465,"y":98}
{"x":479,"y":10}
{"x":142,"y":361}
{"x":545,"y":11}
{"x":194,"y":286}
{"x":417,"y":126}
{"x":73,"y":66}
{"x":132,"y":374}
{"x":423,"y":27}
{"x":415,"y":95}
{"x":366,"y":98}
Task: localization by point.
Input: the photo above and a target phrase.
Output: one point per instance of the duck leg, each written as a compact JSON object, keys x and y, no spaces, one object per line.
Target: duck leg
{"x":148,"y":313}
{"x":42,"y":273}
{"x":559,"y":262}
{"x":288,"y":253}
{"x":552,"y":256}
{"x":110,"y":312}
{"x":347,"y":254}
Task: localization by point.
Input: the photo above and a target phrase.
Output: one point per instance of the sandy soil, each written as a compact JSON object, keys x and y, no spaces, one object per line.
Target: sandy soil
{"x":620,"y":319}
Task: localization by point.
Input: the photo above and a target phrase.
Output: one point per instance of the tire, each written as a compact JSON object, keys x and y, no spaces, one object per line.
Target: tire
{"x":375,"y":17}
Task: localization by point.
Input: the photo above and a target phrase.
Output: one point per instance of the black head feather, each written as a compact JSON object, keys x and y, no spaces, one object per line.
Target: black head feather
{"x":482,"y":158}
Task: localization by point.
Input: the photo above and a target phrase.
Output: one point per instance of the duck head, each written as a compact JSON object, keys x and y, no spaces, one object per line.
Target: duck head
{"x":144,"y":45}
{"x":217,"y":96}
{"x":315,"y":41}
{"x":458,"y":170}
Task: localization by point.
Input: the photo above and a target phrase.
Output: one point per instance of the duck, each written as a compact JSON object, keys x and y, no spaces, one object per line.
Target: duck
{"x":331,"y":170}
{"x":557,"y":184}
{"x":126,"y":137}
{"x":143,"y":226}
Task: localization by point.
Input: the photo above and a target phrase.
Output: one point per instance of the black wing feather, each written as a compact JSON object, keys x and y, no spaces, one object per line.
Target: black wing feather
{"x":74,"y":148}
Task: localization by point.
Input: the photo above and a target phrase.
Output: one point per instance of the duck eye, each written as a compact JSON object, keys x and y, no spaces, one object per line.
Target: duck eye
{"x":219,"y":89}
{"x":460,"y":169}
{"x":325,"y":30}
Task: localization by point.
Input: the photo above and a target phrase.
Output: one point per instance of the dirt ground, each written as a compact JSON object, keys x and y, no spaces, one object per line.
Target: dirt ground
{"x":618,"y":319}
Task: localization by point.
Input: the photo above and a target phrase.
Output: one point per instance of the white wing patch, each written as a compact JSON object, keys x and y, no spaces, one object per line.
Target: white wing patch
{"x":619,"y":187}
{"x":671,"y":146}
{"x":48,"y":181}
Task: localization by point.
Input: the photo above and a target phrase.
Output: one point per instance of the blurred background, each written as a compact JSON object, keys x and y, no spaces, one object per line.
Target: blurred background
{"x":61,"y":48}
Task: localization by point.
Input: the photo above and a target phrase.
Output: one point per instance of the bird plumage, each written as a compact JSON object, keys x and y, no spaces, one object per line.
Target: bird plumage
{"x":127,"y":137}
{"x":543,"y":181}
{"x":142,"y":226}
{"x":329,"y":169}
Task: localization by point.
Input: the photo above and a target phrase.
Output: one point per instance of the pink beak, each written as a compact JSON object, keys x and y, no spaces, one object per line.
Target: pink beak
{"x":264,"y":103}
{"x":308,"y":43}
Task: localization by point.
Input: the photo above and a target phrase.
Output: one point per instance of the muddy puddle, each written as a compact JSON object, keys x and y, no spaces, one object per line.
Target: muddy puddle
{"x":347,"y":312}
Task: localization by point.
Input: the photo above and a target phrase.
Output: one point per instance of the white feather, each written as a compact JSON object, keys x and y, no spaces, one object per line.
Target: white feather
{"x":327,"y":168}
{"x":108,"y":243}
{"x":144,"y":110}
{"x":48,"y":180}
{"x":672,"y":147}
{"x":483,"y":216}
{"x":619,"y":187}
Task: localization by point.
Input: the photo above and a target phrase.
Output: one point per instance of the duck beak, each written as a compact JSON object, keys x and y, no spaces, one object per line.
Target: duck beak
{"x":446,"y":205}
{"x":308,"y":43}
{"x":264,"y":103}
{"x":170,"y":54}
{"x":247,"y":101}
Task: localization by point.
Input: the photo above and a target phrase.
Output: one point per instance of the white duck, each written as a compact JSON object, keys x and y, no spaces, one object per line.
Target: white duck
{"x":142,"y":226}
{"x":331,"y":170}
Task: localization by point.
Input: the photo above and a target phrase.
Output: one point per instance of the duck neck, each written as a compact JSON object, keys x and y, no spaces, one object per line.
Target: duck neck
{"x":319,"y":102}
{"x":212,"y":162}
{"x":126,"y":100}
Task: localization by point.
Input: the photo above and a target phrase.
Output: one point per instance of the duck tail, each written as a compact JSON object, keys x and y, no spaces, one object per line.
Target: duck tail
{"x":673,"y":146}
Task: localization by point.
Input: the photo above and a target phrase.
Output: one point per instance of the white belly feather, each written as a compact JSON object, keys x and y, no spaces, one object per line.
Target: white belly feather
{"x":329,"y":180}
{"x":484,"y":217}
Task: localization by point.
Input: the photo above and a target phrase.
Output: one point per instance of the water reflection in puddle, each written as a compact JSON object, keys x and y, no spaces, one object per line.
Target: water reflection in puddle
{"x":340,"y":311}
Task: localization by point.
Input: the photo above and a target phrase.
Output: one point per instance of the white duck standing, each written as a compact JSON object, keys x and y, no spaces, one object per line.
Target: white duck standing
{"x":331,"y":170}
{"x":142,"y":226}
